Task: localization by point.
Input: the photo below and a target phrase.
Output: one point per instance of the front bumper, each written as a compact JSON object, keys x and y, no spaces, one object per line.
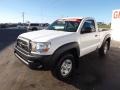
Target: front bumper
{"x":32,"y":60}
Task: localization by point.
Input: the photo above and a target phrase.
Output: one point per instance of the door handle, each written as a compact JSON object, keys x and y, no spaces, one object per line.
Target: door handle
{"x":96,"y":35}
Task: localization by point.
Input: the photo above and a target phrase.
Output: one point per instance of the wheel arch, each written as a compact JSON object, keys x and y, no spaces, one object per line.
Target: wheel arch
{"x":72,"y":48}
{"x":107,"y":38}
{"x":34,"y":28}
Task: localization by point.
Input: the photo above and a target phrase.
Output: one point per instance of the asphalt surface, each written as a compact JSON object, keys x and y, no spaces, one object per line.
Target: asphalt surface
{"x":94,"y":73}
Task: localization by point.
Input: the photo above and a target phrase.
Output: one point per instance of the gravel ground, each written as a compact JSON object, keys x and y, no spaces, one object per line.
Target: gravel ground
{"x":94,"y":73}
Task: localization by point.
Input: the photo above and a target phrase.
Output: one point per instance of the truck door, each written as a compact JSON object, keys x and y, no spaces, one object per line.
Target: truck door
{"x":89,"y":37}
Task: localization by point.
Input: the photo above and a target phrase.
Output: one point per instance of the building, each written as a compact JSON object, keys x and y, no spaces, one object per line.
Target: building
{"x":115,"y":25}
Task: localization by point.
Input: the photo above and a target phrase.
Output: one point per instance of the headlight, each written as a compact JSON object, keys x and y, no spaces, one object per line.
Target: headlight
{"x":40,"y":47}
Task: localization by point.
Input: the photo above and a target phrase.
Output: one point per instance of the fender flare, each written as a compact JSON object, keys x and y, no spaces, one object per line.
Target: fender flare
{"x":64,"y":48}
{"x":106,"y":37}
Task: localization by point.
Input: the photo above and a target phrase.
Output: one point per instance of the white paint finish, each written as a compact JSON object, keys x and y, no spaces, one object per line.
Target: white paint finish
{"x":59,"y":41}
{"x":44,"y":35}
{"x":102,"y":36}
{"x":89,"y":42}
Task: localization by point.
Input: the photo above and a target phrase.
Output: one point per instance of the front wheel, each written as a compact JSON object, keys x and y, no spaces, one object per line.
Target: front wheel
{"x":65,"y":67}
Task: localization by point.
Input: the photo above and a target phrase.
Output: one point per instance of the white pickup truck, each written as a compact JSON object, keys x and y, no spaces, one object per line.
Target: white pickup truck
{"x":37,"y":26}
{"x":61,"y":45}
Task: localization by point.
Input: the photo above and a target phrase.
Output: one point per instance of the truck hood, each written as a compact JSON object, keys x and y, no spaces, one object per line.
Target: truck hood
{"x":44,"y":35}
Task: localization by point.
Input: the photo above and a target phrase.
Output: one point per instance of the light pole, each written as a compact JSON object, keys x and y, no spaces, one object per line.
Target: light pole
{"x":23,"y":16}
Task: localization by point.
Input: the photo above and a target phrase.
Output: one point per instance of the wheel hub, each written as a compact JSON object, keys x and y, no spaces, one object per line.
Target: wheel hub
{"x":66,"y":67}
{"x":106,"y":48}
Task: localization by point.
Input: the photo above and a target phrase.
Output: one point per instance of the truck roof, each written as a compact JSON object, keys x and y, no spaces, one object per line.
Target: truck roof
{"x":67,"y":18}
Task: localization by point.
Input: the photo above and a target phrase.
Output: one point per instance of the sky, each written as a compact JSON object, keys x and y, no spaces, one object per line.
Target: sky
{"x":50,"y":10}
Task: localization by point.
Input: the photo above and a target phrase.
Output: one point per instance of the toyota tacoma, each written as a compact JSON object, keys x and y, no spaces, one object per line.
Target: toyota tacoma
{"x":61,"y":45}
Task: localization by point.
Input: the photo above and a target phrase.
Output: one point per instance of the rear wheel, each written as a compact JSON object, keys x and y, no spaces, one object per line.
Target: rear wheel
{"x":65,"y":67}
{"x":34,"y":29}
{"x":104,"y":49}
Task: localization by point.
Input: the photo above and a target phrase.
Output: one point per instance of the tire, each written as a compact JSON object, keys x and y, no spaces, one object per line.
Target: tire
{"x":34,"y":29}
{"x":104,"y":49}
{"x":65,"y":67}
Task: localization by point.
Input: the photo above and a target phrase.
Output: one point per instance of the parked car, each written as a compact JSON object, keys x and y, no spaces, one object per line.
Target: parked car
{"x":22,"y":26}
{"x":37,"y":26}
{"x":61,"y":45}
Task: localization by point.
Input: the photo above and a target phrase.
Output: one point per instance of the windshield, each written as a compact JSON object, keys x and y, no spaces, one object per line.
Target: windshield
{"x":68,"y":25}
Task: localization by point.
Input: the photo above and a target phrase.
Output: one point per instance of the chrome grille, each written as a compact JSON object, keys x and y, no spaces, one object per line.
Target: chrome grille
{"x":23,"y":44}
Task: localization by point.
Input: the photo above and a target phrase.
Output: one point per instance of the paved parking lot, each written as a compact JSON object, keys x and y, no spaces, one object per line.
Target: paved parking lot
{"x":94,"y":73}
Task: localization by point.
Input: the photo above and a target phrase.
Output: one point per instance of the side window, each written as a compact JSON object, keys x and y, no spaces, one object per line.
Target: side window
{"x":88,"y":27}
{"x":92,"y":25}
